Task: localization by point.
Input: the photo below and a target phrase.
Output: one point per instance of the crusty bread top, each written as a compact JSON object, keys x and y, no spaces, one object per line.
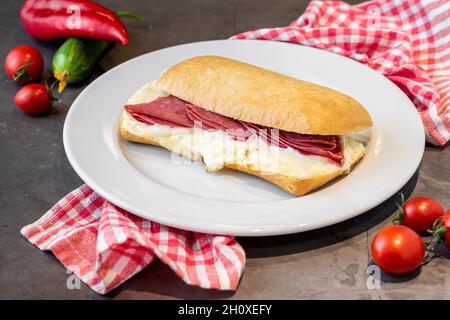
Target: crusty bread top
{"x":252,"y":94}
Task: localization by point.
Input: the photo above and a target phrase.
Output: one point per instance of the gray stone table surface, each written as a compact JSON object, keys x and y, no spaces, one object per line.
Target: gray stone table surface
{"x":35,"y":173}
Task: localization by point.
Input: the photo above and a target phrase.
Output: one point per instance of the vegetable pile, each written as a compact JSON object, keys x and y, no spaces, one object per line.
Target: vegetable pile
{"x":90,"y":30}
{"x":399,"y":249}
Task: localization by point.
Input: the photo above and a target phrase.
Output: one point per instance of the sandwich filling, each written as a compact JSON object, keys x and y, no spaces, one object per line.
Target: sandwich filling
{"x":170,"y":120}
{"x":174,"y":112}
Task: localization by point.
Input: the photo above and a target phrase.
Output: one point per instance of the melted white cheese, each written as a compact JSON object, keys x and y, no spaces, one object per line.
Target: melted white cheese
{"x":217,"y":149}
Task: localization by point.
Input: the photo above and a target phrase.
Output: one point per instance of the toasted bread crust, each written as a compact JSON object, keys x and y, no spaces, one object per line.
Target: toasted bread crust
{"x":252,"y":94}
{"x":294,"y":186}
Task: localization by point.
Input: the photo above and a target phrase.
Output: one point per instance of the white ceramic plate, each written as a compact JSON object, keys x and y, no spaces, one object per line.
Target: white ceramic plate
{"x":143,"y":179}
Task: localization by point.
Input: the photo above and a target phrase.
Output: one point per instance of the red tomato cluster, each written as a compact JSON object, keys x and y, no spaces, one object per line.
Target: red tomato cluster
{"x":399,"y":249}
{"x":25,"y":64}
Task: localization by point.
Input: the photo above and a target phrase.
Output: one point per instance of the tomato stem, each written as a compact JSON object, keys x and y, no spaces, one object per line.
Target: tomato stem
{"x":53,"y":98}
{"x":400,"y":217}
{"x":437,"y":234}
{"x":22,"y":72}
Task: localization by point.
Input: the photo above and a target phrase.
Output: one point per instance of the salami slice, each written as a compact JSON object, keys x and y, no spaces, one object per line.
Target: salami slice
{"x":169,"y":109}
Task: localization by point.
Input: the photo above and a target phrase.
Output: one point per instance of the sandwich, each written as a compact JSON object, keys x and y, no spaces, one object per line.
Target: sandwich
{"x":230,"y":114}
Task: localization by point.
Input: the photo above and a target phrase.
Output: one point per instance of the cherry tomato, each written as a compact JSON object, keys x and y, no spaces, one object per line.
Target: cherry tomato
{"x":24,"y":64}
{"x":398,"y":250}
{"x":33,"y":98}
{"x":421,"y":213}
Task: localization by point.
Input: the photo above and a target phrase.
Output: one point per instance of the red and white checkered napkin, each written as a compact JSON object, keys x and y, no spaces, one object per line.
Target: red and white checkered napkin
{"x":408,"y":41}
{"x":105,"y":245}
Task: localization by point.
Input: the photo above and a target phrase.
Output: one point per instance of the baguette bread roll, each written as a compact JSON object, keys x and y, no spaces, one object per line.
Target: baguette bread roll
{"x":252,"y":94}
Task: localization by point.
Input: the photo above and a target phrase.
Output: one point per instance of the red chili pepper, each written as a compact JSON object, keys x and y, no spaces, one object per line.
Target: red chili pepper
{"x":50,"y":19}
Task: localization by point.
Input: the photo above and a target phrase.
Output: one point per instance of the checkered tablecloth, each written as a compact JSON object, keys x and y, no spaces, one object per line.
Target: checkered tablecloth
{"x":104,"y":245}
{"x":407,"y":41}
